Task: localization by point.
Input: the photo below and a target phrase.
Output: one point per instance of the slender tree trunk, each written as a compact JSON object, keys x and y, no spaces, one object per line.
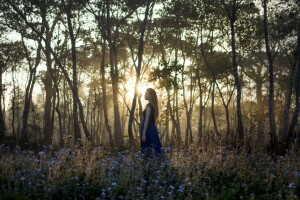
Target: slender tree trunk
{"x":13,"y":107}
{"x":167,"y":126}
{"x":232,"y":15}
{"x":186,"y":110}
{"x":138,"y":72}
{"x":2,"y":122}
{"x":172,"y":115}
{"x":176,"y":110}
{"x":213,"y":110}
{"x":56,"y":107}
{"x":287,"y":138}
{"x":226,"y":110}
{"x":48,"y":129}
{"x":200,"y":123}
{"x":104,"y":98}
{"x":74,"y":85}
{"x":60,"y":121}
{"x":76,"y":130}
{"x":273,"y":142}
{"x":28,"y":91}
{"x":237,"y":84}
{"x":118,"y":134}
{"x":285,"y":117}
{"x":173,"y":136}
{"x":47,"y":80}
{"x":260,"y":108}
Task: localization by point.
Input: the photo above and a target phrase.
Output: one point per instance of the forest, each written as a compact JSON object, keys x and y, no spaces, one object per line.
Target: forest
{"x":73,"y":77}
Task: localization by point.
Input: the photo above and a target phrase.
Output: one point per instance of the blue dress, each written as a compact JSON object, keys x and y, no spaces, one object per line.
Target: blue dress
{"x":152,"y":146}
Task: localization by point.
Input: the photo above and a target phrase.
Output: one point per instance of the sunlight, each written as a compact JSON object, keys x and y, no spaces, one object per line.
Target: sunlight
{"x":130,"y":85}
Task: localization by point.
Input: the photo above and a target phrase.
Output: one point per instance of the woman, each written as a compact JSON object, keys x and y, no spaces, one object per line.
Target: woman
{"x":150,"y":143}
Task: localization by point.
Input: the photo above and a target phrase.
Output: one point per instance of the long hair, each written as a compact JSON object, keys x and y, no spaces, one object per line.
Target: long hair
{"x":153,"y":99}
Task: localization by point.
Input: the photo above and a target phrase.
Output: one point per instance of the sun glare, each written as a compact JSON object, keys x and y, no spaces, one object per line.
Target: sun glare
{"x":130,"y":85}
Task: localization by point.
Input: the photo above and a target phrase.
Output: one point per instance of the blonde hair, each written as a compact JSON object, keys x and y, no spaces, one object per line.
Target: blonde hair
{"x":153,"y":99}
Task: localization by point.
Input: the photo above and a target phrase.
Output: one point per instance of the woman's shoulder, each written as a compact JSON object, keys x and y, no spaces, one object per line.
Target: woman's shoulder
{"x":150,"y":105}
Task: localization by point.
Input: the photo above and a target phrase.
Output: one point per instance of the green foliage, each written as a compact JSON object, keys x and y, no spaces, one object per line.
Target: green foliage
{"x":166,"y":74}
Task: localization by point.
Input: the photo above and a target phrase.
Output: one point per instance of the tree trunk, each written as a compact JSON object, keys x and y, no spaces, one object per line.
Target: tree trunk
{"x":47,"y":80}
{"x":76,"y":100}
{"x":285,"y":117}
{"x":76,"y":130}
{"x":176,"y":110}
{"x":138,"y":72}
{"x":232,"y":15}
{"x":118,"y":135}
{"x":213,"y":110}
{"x":237,"y":83}
{"x":167,"y":140}
{"x":200,"y":122}
{"x":104,"y":98}
{"x":172,"y":115}
{"x":273,"y":142}
{"x":2,"y":122}
{"x":28,"y":91}
{"x":260,"y":108}
{"x":13,"y":107}
{"x":287,"y":138}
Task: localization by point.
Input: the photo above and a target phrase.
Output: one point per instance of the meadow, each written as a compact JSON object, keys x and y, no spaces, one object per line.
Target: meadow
{"x":111,"y":173}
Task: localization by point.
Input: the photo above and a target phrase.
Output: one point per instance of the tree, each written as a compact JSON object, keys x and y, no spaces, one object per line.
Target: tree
{"x":232,"y":11}
{"x":141,"y":42}
{"x":272,"y":126}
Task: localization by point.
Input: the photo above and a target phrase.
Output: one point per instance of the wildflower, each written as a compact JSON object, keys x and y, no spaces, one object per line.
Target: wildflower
{"x":296,"y":174}
{"x":172,"y":187}
{"x":162,"y":197}
{"x":138,"y":188}
{"x":42,"y":153}
{"x":291,"y":185}
{"x":244,"y":184}
{"x":22,"y":178}
{"x":114,"y":184}
{"x":103,"y":194}
{"x":272,"y":175}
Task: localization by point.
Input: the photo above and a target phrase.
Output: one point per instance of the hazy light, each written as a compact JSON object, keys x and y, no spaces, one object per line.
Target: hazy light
{"x":129,"y":87}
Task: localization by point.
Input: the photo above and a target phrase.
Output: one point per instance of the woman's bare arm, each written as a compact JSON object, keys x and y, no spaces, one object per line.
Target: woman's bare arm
{"x":148,"y":112}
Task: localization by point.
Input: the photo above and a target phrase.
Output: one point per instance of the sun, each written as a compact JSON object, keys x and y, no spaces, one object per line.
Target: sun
{"x":142,"y":87}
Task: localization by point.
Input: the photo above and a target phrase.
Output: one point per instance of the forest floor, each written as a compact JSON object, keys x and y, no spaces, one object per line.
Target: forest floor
{"x":184,"y":173}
